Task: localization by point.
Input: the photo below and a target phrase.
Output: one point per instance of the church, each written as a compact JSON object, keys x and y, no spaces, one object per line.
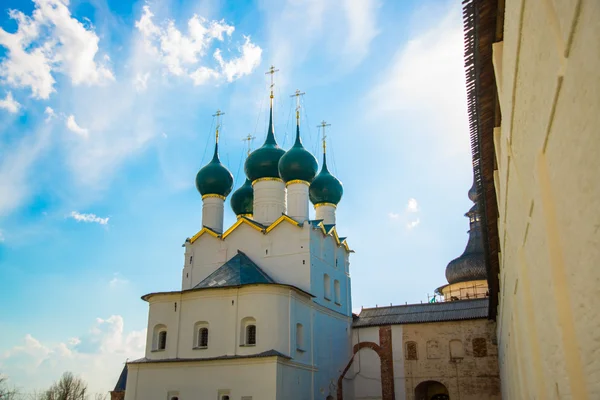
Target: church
{"x":265,"y":306}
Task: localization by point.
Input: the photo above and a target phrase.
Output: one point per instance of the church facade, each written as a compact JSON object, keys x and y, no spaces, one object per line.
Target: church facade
{"x":265,"y":307}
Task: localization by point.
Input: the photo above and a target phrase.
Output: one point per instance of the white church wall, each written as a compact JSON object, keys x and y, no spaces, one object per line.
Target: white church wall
{"x":400,"y":373}
{"x":223,"y":310}
{"x":204,"y":380}
{"x":332,"y":348}
{"x":283,"y":253}
{"x":324,"y":253}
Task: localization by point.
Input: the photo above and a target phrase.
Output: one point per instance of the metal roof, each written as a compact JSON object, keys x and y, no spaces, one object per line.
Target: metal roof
{"x":239,"y":270}
{"x":122,"y":382}
{"x":268,"y":353}
{"x":423,"y":313}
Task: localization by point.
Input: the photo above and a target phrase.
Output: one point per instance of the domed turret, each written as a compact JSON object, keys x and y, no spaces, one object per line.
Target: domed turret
{"x":470,"y":266}
{"x":214,"y":178}
{"x":214,"y":182}
{"x":242,"y":198}
{"x":297,"y":163}
{"x":264,"y":161}
{"x":325,"y":188}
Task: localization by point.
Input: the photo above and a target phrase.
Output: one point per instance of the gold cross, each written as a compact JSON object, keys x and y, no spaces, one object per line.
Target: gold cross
{"x":297,"y":95}
{"x":218,"y":115}
{"x":249,"y":139}
{"x":272,"y":71}
{"x":322,"y":126}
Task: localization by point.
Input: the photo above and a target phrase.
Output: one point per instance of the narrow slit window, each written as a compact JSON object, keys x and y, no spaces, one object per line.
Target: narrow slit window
{"x":203,"y":337}
{"x":162,"y":340}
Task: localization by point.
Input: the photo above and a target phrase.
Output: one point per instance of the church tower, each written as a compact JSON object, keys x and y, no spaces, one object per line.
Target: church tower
{"x":264,"y":310}
{"x":466,"y":275}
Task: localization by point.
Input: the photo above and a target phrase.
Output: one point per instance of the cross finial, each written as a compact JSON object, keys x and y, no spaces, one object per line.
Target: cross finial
{"x":297,"y":95}
{"x":272,"y":71}
{"x":322,"y":125}
{"x":249,"y":139}
{"x":218,"y":115}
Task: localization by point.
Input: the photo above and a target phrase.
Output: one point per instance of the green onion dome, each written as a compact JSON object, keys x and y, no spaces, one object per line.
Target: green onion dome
{"x":242,"y":199}
{"x":297,"y":163}
{"x":325,"y":188}
{"x":264,"y":161}
{"x":214,"y":178}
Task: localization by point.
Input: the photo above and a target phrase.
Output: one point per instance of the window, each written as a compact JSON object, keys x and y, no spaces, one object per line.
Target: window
{"x":299,"y":337}
{"x":433,"y":349}
{"x":173,"y":396}
{"x":159,"y":339}
{"x":203,"y":337}
{"x":248,"y":332}
{"x":327,"y":287}
{"x":191,"y":258}
{"x":224,"y":394}
{"x":336,"y":291}
{"x":162,"y":340}
{"x":411,"y":351}
{"x":224,"y":397}
{"x":251,"y":335}
{"x":479,"y":347}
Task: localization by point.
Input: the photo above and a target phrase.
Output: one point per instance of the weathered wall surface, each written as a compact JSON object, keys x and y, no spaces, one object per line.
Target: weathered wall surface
{"x":461,"y":355}
{"x":547,"y":185}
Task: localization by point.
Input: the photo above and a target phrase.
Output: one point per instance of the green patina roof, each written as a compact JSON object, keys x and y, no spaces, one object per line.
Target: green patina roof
{"x":325,"y":188}
{"x":239,"y":270}
{"x":298,"y":163}
{"x":214,"y":178}
{"x":242,"y":199}
{"x":264,"y":161}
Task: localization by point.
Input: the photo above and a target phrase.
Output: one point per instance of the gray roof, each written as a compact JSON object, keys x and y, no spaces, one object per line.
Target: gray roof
{"x":268,"y":353}
{"x":423,"y":313}
{"x":239,"y":270}
{"x":122,"y":382}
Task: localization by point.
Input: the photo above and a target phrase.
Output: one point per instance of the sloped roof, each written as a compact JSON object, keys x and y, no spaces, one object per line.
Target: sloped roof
{"x":423,"y":313}
{"x":122,"y":382}
{"x":268,"y":353}
{"x":239,"y":270}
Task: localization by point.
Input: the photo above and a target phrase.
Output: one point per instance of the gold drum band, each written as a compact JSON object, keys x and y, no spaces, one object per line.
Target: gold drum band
{"x":218,"y":196}
{"x":325,"y":204}
{"x":266,"y":180}
{"x":294,"y":181}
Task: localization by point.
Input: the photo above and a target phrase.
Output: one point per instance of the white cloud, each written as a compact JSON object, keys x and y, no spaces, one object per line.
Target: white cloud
{"x":393,"y":215}
{"x":182,"y":54}
{"x":426,"y":77}
{"x":141,"y":81}
{"x":48,"y":41}
{"x":74,"y":127}
{"x":412,"y":205}
{"x":15,"y":165}
{"x":10,"y":104}
{"x":88,"y":218}
{"x":362,"y":23}
{"x":96,"y":356}
{"x":49,"y":113}
{"x":243,"y":65}
{"x":413,"y":224}
{"x":117,"y":281}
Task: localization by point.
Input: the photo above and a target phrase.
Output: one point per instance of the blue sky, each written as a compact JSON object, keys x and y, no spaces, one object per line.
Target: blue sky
{"x":105,"y":115}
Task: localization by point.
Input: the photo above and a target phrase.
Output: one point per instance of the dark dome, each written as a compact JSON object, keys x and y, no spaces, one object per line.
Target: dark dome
{"x":470,"y":266}
{"x":297,"y":163}
{"x":242,"y":199}
{"x":264,"y":161}
{"x":214,"y":178}
{"x":325,"y":188}
{"x":473,"y":192}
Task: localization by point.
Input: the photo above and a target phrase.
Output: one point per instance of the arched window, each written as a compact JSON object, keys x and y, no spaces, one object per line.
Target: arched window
{"x":248,"y":332}
{"x":299,"y":337}
{"x":251,"y":335}
{"x":326,"y":287}
{"x":336,"y":291}
{"x":159,"y":339}
{"x":411,"y":351}
{"x":201,"y":335}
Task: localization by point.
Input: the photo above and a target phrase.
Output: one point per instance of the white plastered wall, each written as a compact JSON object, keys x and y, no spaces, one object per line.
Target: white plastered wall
{"x":548,"y":77}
